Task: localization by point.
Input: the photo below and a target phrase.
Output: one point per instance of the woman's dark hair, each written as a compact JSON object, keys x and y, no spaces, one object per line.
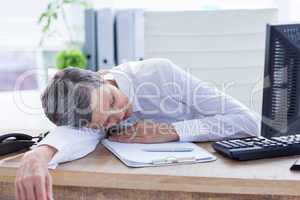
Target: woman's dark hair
{"x":67,"y":98}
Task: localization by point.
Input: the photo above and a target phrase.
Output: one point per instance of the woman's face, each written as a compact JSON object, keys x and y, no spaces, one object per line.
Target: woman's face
{"x":109,"y":106}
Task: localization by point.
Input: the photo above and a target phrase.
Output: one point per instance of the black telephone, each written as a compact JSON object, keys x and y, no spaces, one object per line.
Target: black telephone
{"x":13,"y":142}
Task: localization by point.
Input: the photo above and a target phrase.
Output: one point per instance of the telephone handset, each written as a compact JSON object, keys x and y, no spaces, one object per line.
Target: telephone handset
{"x":13,"y":142}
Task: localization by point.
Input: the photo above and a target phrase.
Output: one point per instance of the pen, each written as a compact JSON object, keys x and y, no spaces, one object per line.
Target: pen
{"x":170,"y":149}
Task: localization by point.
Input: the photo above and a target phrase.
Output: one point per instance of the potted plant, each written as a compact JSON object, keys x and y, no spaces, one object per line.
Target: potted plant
{"x":71,"y":54}
{"x":70,"y":57}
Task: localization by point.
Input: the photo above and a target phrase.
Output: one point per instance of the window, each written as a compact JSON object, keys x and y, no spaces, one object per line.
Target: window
{"x":18,"y":21}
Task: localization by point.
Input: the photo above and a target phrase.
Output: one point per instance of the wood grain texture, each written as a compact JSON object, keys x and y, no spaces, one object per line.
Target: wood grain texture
{"x":85,"y":193}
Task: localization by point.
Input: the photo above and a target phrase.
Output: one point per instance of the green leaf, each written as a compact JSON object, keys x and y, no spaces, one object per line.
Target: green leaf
{"x":69,"y":1}
{"x":42,"y":16}
{"x":49,"y":6}
{"x":46,"y":27}
{"x":85,"y":4}
{"x":55,"y":15}
{"x":70,"y":57}
{"x":53,"y":10}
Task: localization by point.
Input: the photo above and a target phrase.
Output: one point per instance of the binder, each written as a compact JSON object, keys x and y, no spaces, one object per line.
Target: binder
{"x":90,"y":44}
{"x":130,"y":35}
{"x":132,"y":154}
{"x":105,"y":38}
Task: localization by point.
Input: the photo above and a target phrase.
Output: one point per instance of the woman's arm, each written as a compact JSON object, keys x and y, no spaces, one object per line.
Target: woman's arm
{"x":61,"y":145}
{"x":33,"y":180}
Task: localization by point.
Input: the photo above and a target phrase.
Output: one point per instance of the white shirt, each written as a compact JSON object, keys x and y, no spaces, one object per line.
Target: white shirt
{"x":161,"y":91}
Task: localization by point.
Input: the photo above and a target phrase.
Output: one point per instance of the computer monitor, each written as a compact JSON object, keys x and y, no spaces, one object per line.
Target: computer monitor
{"x":281,"y":92}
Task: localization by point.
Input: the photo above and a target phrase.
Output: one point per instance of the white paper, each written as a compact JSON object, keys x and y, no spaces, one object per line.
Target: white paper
{"x":133,"y":155}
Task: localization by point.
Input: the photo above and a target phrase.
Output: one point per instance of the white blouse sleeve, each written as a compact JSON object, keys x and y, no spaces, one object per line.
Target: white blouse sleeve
{"x":71,"y":143}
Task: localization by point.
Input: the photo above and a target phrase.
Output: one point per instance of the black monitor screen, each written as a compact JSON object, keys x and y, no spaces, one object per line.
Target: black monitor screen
{"x":280,"y":110}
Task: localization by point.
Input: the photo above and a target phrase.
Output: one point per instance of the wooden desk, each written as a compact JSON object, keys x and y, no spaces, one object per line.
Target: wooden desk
{"x":102,"y":176}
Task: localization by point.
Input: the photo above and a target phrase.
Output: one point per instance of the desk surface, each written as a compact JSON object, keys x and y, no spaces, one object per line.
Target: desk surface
{"x":101,"y":169}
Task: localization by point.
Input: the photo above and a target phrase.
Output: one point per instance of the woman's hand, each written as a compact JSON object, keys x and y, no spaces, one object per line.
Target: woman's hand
{"x":146,"y":131}
{"x":33,"y":180}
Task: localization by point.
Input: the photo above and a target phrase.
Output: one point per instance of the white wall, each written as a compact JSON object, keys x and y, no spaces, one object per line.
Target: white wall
{"x":23,"y":111}
{"x":225,"y":47}
{"x":184,"y":5}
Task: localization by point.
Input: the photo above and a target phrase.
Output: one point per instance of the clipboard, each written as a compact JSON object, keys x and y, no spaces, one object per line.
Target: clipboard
{"x":132,"y":155}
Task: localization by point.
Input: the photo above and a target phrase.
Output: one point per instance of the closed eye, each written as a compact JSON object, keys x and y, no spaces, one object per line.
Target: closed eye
{"x":112,"y":104}
{"x":113,"y":101}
